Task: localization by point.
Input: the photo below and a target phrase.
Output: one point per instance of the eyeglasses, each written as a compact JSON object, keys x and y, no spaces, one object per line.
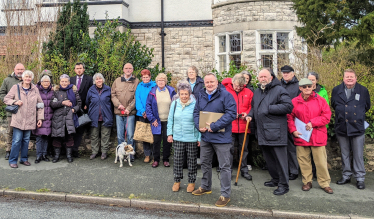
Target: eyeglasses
{"x":307,"y":86}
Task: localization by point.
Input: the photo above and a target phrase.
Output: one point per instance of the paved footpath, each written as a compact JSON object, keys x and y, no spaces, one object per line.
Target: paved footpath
{"x":141,"y":182}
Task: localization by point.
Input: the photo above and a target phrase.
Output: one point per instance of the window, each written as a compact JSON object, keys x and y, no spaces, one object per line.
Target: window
{"x":273,"y":48}
{"x":228,"y":48}
{"x":17,"y":4}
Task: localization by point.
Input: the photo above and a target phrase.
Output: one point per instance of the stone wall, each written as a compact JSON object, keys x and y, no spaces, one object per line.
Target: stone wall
{"x":183,"y":47}
{"x":244,"y":11}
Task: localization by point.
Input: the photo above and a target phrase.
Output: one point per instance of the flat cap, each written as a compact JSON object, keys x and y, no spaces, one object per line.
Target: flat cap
{"x":305,"y":81}
{"x":286,"y":68}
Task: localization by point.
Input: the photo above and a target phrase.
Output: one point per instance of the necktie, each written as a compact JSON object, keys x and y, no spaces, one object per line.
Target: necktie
{"x":79,"y":82}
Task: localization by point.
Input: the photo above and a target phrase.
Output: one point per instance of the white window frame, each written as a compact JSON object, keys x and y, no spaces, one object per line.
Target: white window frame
{"x":274,"y":51}
{"x":227,"y":53}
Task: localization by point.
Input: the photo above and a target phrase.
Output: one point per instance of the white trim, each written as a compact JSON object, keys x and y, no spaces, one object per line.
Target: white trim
{"x":227,"y":53}
{"x":274,"y":51}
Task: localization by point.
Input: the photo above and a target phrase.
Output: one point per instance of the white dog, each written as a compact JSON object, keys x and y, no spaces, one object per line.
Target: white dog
{"x":123,"y":151}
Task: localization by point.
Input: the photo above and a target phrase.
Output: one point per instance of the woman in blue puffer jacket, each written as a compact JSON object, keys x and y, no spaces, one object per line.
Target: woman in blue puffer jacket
{"x":185,"y":137}
{"x":141,"y":95}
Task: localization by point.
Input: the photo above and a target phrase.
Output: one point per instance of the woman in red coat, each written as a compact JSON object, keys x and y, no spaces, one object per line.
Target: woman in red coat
{"x":243,"y":97}
{"x":314,"y":111}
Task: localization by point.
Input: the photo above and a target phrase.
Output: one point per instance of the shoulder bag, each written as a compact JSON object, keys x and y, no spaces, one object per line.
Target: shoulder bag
{"x":14,"y":108}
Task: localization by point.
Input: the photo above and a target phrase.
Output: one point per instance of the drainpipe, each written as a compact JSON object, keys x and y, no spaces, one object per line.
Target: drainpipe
{"x":162,"y":35}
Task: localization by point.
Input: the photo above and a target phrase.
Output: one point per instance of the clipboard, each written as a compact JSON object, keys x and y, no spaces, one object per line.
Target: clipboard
{"x":209,"y":117}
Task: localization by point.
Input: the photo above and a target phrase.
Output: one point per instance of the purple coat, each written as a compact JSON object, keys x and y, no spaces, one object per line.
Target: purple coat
{"x":46,"y":127}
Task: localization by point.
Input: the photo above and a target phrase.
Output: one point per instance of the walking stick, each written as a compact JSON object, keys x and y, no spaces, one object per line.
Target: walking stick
{"x":241,"y":156}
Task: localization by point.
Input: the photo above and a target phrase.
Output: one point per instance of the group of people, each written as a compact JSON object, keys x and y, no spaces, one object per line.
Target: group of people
{"x":51,"y":113}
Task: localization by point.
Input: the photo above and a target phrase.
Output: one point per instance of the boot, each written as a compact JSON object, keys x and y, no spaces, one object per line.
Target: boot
{"x":38,"y":159}
{"x":56,"y":158}
{"x":45,"y":158}
{"x":7,"y":155}
{"x":69,"y":152}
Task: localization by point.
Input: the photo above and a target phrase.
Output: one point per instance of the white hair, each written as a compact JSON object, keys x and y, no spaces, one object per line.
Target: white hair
{"x":45,"y":77}
{"x":29,"y":73}
{"x":98,"y":75}
{"x":64,"y":76}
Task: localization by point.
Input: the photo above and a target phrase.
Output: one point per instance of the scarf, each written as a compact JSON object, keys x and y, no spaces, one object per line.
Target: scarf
{"x":185,"y":104}
{"x":71,"y":97}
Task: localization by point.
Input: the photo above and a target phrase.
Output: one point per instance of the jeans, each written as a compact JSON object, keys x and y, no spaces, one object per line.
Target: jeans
{"x":41,"y":145}
{"x":147,"y":147}
{"x":125,"y":124}
{"x":20,"y":141}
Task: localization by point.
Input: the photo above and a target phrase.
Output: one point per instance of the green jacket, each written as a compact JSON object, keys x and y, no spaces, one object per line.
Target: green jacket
{"x":320,"y":90}
{"x":6,"y":86}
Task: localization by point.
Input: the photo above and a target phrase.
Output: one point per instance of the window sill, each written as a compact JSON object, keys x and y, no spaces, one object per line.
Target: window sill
{"x":17,"y":9}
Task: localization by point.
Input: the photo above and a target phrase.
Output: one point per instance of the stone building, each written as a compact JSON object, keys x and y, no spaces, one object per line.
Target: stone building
{"x":205,"y":33}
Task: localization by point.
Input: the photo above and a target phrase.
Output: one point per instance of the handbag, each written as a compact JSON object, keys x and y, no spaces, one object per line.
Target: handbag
{"x":13,"y":108}
{"x":83,"y":119}
{"x":143,"y":132}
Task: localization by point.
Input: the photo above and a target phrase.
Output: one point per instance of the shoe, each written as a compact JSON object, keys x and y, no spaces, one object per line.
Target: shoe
{"x":190,"y":187}
{"x":201,"y":191}
{"x":343,"y":181}
{"x":218,"y":169}
{"x":104,"y":156}
{"x":328,"y":190}
{"x":270,"y":184}
{"x":56,"y":158}
{"x":69,"y":152}
{"x":293,"y":176}
{"x":76,"y":154}
{"x":249,"y":167}
{"x":155,"y":164}
{"x":38,"y":159}
{"x":146,"y":159}
{"x":247,"y":176}
{"x":281,"y":191}
{"x":176,"y":186}
{"x":93,"y":156}
{"x":45,"y":158}
{"x":26,"y":163}
{"x":166,"y":164}
{"x":7,"y":155}
{"x":13,"y":165}
{"x":307,"y":187}
{"x":360,"y":185}
{"x":222,"y":201}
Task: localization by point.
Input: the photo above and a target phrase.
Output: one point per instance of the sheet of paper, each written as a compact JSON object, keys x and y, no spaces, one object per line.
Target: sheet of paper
{"x":209,"y":117}
{"x":366,"y":125}
{"x":300,"y":127}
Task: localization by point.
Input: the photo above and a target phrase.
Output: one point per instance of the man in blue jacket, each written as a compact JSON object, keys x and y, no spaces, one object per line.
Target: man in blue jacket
{"x":351,"y":101}
{"x":216,"y":138}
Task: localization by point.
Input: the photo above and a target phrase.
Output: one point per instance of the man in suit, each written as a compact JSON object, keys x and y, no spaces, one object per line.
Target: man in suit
{"x":351,"y":101}
{"x":83,"y":83}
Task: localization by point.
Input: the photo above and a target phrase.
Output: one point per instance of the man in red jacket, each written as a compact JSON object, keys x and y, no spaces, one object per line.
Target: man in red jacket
{"x":314,"y":112}
{"x":243,"y":97}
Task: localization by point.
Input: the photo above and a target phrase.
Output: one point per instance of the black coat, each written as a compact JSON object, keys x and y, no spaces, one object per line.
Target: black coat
{"x":269,"y":110}
{"x":198,"y":86}
{"x":86,"y":83}
{"x":63,"y":115}
{"x":292,"y":87}
{"x":350,"y":114}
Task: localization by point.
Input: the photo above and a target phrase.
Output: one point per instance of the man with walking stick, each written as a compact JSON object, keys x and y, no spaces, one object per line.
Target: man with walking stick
{"x":270,"y":105}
